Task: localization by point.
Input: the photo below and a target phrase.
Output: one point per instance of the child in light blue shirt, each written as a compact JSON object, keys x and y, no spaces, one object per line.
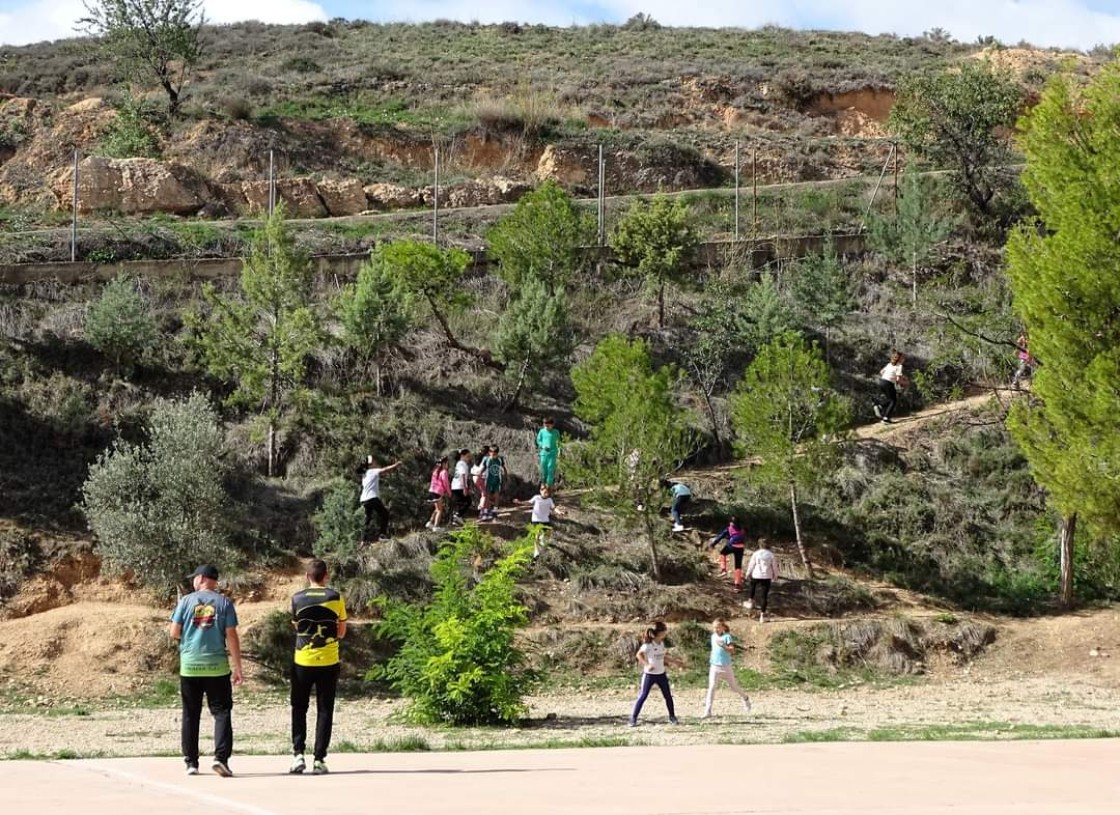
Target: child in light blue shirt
{"x":723,"y":645}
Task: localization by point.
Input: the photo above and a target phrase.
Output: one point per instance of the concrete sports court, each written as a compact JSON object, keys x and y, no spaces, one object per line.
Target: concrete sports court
{"x":1025,"y":778}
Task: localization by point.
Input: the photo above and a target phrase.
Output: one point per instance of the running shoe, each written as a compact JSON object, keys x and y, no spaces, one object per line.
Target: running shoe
{"x":746,"y":704}
{"x":192,"y":769}
{"x":673,"y":720}
{"x":221,"y":768}
{"x":319,"y":767}
{"x":299,"y":764}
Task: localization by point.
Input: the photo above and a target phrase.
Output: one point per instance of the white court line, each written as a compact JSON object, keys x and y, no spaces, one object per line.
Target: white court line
{"x":178,"y":789}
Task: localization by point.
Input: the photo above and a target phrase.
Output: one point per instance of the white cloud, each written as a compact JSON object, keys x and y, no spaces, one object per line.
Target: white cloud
{"x":38,"y":20}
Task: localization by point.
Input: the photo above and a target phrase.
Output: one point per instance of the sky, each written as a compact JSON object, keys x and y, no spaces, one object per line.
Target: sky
{"x":1064,"y":23}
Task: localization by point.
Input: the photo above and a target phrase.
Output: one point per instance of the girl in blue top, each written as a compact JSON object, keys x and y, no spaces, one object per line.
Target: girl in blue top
{"x":720,"y":666}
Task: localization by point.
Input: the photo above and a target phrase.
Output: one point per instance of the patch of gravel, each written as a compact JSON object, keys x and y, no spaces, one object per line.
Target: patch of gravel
{"x":261,"y":722}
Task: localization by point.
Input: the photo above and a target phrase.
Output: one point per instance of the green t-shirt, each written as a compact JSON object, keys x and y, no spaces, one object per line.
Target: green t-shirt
{"x":548,"y":441}
{"x":204,"y":616}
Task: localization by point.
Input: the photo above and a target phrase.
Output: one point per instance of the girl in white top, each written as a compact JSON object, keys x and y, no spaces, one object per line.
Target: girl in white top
{"x":719,"y":666}
{"x":762,"y":570}
{"x":890,"y":379}
{"x":652,"y":657}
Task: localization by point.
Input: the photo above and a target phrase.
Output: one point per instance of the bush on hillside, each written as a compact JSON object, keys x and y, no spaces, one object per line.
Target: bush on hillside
{"x":120,"y":323}
{"x":159,"y":508}
{"x":459,"y":662}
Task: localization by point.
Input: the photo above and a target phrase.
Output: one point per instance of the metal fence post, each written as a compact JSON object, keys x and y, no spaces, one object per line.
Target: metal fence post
{"x":74,"y":214}
{"x":435,"y":203}
{"x":602,"y":199}
{"x":736,"y":191}
{"x":271,"y":182}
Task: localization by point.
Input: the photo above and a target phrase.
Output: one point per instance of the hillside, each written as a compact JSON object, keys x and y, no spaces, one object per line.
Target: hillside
{"x":929,"y":535}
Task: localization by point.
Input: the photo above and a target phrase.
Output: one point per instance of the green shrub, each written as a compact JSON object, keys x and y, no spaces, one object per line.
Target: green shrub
{"x":459,"y":662}
{"x":61,"y":402}
{"x":120,"y":323}
{"x":20,"y":557}
{"x":338,"y":530}
{"x":130,"y":135}
{"x":159,"y":508}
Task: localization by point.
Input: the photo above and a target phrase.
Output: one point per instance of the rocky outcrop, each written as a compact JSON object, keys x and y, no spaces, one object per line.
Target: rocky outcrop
{"x":131,"y":186}
{"x":346,"y":197}
{"x":383,"y":197}
{"x":300,"y":197}
{"x":485,"y":192}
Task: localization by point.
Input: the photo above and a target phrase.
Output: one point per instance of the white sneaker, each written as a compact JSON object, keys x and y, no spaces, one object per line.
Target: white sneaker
{"x":749,"y":604}
{"x":707,"y":714}
{"x":746,"y":704}
{"x":192,"y":769}
{"x":428,"y":525}
{"x":762,"y":616}
{"x":299,"y":764}
{"x":678,"y":527}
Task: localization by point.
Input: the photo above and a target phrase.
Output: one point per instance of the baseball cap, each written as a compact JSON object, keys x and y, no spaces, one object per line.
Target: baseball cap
{"x":205,"y":570}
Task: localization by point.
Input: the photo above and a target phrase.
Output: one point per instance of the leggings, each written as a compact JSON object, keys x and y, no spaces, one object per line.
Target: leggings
{"x":374,"y":507}
{"x":648,"y":681}
{"x":762,"y":583}
{"x":460,"y":502}
{"x":888,"y":398}
{"x":736,"y":552}
{"x":727,"y":674}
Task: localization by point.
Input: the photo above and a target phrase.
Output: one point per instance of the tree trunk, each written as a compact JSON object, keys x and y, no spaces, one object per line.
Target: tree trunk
{"x":481,"y":354}
{"x":797,"y":529}
{"x":1065,"y":550}
{"x":712,"y":415}
{"x":661,"y":305}
{"x":651,"y":538}
{"x":271,"y":446}
{"x":522,"y":374}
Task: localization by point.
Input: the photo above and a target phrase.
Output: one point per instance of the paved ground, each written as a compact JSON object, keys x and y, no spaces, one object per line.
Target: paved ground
{"x":1025,"y":778}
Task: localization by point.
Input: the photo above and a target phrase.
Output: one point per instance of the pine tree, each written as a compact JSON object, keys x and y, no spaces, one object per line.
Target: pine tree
{"x":767,"y":311}
{"x":261,"y":341}
{"x":654,"y":241}
{"x":787,"y":414}
{"x":822,"y":291}
{"x":375,"y":314}
{"x":1067,"y":292}
{"x":534,"y":335}
{"x":637,"y":431}
{"x":120,"y":324}
{"x":545,"y":237}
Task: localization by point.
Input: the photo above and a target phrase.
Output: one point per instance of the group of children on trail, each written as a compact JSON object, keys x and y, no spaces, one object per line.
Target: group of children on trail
{"x":762,"y":569}
{"x":652,"y":658}
{"x":452,"y":487}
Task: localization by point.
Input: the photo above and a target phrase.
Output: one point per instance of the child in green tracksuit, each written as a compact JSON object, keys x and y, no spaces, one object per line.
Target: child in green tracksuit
{"x":548,"y":447}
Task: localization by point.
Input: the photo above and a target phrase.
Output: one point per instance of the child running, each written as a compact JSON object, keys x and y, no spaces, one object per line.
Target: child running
{"x":494,"y":467}
{"x":891,"y":378}
{"x":543,"y":507}
{"x":723,"y":646}
{"x":439,"y":494}
{"x":736,"y":537}
{"x":762,"y":570}
{"x":652,"y":657}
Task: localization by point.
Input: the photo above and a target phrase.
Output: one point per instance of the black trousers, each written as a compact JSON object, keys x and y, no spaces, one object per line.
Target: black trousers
{"x":888,"y":398}
{"x":218,"y":691}
{"x":763,"y":584}
{"x":374,"y":507}
{"x":735,"y":552}
{"x":461,"y":502}
{"x":324,"y":681}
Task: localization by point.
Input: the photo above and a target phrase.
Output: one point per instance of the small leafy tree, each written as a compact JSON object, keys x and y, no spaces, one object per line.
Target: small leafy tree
{"x":720,"y":334}
{"x":910,"y":237}
{"x":375,"y":314}
{"x":787,"y":414}
{"x":959,"y":120}
{"x":544,"y":238}
{"x":150,"y":40}
{"x":654,"y":241}
{"x":120,"y":323}
{"x":1065,"y":290}
{"x":534,"y":336}
{"x":130,"y":135}
{"x":459,"y":662}
{"x":159,"y":508}
{"x":637,"y":431}
{"x":261,"y":341}
{"x":822,"y":291}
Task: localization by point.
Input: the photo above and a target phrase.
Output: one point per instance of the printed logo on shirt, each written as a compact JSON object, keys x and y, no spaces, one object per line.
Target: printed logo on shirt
{"x":203,"y":616}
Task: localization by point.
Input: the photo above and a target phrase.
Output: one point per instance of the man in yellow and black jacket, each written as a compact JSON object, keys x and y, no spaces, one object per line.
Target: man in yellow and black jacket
{"x":319,"y":617}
